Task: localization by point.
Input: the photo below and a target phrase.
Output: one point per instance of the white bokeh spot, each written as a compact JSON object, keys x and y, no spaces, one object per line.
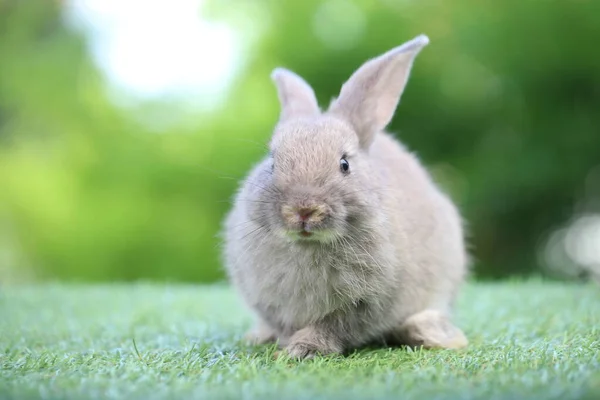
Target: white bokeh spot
{"x":150,"y":49}
{"x":582,"y":241}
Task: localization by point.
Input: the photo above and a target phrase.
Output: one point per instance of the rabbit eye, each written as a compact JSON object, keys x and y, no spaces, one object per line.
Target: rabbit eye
{"x":344,"y":165}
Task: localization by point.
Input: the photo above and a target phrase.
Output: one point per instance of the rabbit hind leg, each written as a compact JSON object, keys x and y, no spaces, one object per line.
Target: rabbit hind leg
{"x":430,"y":329}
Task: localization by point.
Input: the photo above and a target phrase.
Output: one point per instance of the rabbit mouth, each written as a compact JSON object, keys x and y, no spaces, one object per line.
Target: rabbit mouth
{"x":305,"y":234}
{"x":305,"y":231}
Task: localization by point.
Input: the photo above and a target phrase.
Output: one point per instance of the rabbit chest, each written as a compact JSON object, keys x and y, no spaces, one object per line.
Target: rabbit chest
{"x":294,"y":287}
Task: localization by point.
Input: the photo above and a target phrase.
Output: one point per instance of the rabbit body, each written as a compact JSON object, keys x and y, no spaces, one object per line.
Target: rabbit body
{"x":331,"y":258}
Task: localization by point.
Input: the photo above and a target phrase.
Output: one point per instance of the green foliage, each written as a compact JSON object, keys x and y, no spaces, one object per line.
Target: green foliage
{"x":502,"y":106}
{"x":154,"y":341}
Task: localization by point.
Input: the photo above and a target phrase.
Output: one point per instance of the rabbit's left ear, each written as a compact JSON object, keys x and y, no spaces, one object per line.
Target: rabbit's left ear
{"x":296,"y":96}
{"x":369,"y":98}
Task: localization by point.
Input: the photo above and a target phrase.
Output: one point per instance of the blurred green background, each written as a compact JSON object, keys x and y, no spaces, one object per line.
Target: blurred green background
{"x":125,"y":126}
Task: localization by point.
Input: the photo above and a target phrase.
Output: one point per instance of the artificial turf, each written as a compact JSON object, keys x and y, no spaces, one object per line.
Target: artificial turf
{"x":531,"y":339}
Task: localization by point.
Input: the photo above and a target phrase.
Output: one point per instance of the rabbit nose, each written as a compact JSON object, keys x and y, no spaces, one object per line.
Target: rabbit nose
{"x":311,"y":213}
{"x":305,"y":212}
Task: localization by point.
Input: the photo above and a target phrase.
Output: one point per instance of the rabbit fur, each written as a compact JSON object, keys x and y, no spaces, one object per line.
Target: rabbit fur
{"x":332,"y":259}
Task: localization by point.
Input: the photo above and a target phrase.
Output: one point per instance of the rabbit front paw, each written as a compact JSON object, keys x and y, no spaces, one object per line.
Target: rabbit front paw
{"x":302,"y":351}
{"x":310,"y":342}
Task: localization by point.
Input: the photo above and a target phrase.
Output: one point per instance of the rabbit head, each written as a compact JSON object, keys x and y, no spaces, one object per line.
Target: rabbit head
{"x":316,"y":185}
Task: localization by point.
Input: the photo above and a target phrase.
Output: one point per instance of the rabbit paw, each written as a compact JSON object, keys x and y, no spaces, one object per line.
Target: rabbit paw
{"x":432,"y":330}
{"x":310,"y":342}
{"x":301,"y":351}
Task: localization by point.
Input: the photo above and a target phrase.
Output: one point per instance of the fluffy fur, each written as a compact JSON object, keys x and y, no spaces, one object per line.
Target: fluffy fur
{"x":332,"y":259}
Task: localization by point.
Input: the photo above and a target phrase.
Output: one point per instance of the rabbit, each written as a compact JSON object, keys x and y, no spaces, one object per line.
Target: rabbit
{"x":339,"y":237}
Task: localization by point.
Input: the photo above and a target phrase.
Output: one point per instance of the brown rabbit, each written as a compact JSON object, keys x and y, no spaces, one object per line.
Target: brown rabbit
{"x":339,"y":237}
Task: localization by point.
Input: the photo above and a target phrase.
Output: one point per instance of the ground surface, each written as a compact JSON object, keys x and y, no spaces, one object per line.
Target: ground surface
{"x":529,"y":340}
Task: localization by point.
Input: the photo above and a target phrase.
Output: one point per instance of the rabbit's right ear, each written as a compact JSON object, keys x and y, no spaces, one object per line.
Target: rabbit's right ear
{"x":369,"y":98}
{"x":296,"y":96}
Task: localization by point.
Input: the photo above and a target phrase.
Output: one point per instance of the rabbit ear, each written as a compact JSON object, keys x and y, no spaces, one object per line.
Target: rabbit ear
{"x":369,"y":98}
{"x":295,"y":95}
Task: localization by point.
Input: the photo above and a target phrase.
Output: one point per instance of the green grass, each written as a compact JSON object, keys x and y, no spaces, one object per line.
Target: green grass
{"x":529,"y":340}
